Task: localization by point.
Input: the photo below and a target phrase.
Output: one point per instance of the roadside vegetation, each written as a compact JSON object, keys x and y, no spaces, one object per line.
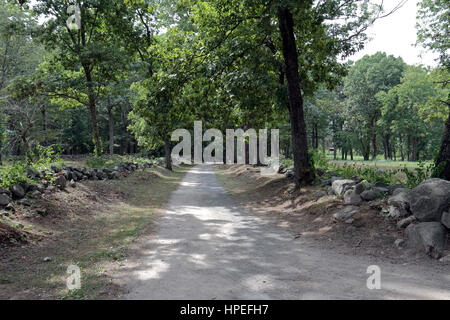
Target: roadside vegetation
{"x":91,"y":226}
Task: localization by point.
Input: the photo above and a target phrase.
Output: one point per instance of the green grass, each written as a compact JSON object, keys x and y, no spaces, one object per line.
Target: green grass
{"x":378,"y":163}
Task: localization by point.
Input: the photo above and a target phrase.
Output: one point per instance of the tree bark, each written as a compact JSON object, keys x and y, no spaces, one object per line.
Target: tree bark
{"x":93,"y":111}
{"x":374,"y":140}
{"x":167,"y":153}
{"x":304,"y":174}
{"x":111,"y":130}
{"x":443,"y":159}
{"x":44,"y":124}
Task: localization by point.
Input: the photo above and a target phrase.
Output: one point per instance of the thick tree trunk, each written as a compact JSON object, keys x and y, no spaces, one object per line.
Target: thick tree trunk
{"x":167,"y":153}
{"x":111,"y":130}
{"x":93,"y":112}
{"x":304,"y":174}
{"x":443,"y":159}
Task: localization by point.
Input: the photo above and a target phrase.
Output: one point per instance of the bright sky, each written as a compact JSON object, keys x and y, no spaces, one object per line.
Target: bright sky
{"x":396,"y":35}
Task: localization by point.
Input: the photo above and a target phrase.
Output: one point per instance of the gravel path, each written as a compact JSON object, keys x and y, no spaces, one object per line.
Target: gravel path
{"x":207,"y":248}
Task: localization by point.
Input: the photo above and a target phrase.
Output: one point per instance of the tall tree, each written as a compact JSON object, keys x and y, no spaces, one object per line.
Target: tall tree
{"x":433,"y":33}
{"x":85,"y":50}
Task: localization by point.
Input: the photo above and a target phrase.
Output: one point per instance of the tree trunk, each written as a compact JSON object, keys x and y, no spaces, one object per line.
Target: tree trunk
{"x":409,"y":148}
{"x":93,"y":111}
{"x":388,"y":146}
{"x":111,"y":130}
{"x":402,"y":154}
{"x":44,"y":124}
{"x":374,"y":141}
{"x":443,"y":159}
{"x":167,"y":152}
{"x":351,"y":153}
{"x":304,"y":174}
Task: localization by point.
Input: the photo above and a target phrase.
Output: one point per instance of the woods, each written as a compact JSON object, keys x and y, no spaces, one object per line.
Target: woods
{"x":136,"y":70}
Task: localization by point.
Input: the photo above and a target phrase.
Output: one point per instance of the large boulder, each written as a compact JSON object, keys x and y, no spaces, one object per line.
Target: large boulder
{"x":428,"y":237}
{"x":351,"y":197}
{"x":431,"y":199}
{"x":399,"y":203}
{"x":4,"y":200}
{"x":345,"y":213}
{"x":340,"y":186}
{"x":446,"y":219}
{"x":17,"y":191}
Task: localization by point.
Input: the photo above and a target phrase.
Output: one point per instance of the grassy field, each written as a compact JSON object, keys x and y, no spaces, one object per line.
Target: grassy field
{"x":378,"y":163}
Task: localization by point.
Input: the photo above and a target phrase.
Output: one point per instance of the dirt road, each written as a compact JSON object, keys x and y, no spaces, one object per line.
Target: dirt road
{"x":207,"y":248}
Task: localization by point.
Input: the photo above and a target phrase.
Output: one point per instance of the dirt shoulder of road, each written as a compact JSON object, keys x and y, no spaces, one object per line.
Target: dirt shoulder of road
{"x":371,"y":233}
{"x":91,"y":226}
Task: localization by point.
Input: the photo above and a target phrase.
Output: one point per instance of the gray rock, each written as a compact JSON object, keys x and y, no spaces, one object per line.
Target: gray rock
{"x":379,"y":184}
{"x":17,"y":191}
{"x":340,"y":185}
{"x":381,"y":191}
{"x":47,"y":259}
{"x":395,"y":187}
{"x":431,"y":200}
{"x":335,"y":178}
{"x":25,"y":186}
{"x":400,"y":243}
{"x":60,"y":182}
{"x":428,"y":237}
{"x":445,"y":259}
{"x":446,"y":219}
{"x":4,"y":200}
{"x":351,"y":197}
{"x":359,"y":188}
{"x":345,"y":213}
{"x":32,"y":173}
{"x":73,"y":184}
{"x":402,"y":224}
{"x":399,"y":203}
{"x":325,"y":182}
{"x":369,"y":195}
{"x":10,"y":207}
{"x":320,"y":194}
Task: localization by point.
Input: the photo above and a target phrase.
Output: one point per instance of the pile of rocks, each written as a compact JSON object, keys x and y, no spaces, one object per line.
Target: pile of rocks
{"x":356,"y":190}
{"x":61,"y":178}
{"x":425,"y":213}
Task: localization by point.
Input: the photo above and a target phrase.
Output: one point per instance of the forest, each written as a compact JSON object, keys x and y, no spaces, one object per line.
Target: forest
{"x":136,"y":70}
{"x":95,"y":205}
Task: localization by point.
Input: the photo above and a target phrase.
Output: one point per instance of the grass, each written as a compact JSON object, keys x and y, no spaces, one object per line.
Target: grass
{"x":380,"y":162}
{"x":93,"y":230}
